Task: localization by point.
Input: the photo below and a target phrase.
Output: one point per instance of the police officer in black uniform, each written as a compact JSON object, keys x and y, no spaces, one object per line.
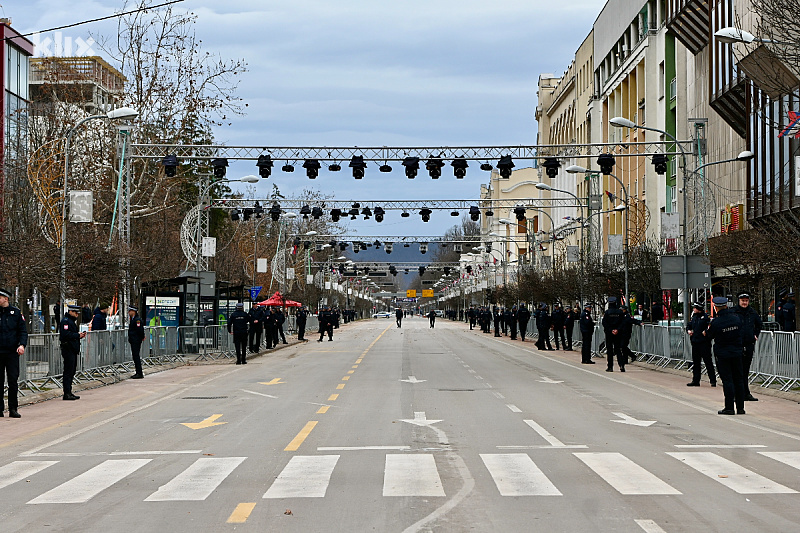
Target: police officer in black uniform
{"x":398,"y":314}
{"x":570,"y":316}
{"x":255,"y":327}
{"x":237,"y":325}
{"x":497,"y":315}
{"x":726,"y":332}
{"x":326,"y":320}
{"x":135,"y":339}
{"x":701,"y":346}
{"x":543,"y":323}
{"x":280,"y":319}
{"x":613,"y":324}
{"x":70,"y":339}
{"x":270,"y":323}
{"x":558,"y":318}
{"x":586,"y":325}
{"x":471,"y":315}
{"x":300,"y":318}
{"x":751,"y":329}
{"x":789,"y":316}
{"x":13,"y":339}
{"x":511,"y":318}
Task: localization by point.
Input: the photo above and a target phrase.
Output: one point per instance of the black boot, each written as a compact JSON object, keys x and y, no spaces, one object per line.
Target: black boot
{"x":13,"y":413}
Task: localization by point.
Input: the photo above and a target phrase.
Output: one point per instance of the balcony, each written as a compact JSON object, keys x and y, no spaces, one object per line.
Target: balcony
{"x":689,"y":20}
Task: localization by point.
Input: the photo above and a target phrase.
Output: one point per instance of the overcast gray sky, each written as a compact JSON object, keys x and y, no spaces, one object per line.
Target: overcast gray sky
{"x":372,"y":73}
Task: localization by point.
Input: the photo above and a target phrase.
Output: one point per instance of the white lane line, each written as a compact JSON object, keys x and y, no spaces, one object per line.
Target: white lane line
{"x":411,"y":475}
{"x":498,"y":395}
{"x":514,"y":408}
{"x":471,"y":371}
{"x":515,"y":474}
{"x":721,"y":446}
{"x":543,"y":447}
{"x":260,"y":394}
{"x":544,"y":433}
{"x":788,"y":458}
{"x":124,"y":414}
{"x":624,"y":475}
{"x":649,"y":526}
{"x":686,"y":403}
{"x":478,"y":377}
{"x":362,"y":448}
{"x":84,"y":487}
{"x":19,"y":470}
{"x":730,"y":474}
{"x":304,"y":477}
{"x":110,"y":454}
{"x":198,"y":481}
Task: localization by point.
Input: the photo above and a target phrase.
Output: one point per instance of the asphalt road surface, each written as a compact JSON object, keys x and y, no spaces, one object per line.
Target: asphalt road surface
{"x":402,"y":429}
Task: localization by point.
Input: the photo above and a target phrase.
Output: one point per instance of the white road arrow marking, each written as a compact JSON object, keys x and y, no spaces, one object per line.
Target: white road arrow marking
{"x":548,"y":380}
{"x":420,"y":420}
{"x":413,"y":379}
{"x":632,"y":421}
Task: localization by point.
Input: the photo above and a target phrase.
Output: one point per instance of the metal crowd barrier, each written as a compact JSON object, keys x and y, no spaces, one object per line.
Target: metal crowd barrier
{"x":107,"y":353}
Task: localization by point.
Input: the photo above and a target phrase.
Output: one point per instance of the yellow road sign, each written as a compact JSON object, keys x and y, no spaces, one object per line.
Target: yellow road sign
{"x":411,"y":294}
{"x":427,"y":293}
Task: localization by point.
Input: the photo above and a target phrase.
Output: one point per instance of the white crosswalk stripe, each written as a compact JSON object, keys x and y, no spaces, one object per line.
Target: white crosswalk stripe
{"x":730,"y":474}
{"x":19,"y":470}
{"x":304,"y":477}
{"x":411,"y":475}
{"x":788,"y":458}
{"x":515,"y":474}
{"x":624,"y":475}
{"x":84,"y":487}
{"x":197,"y":482}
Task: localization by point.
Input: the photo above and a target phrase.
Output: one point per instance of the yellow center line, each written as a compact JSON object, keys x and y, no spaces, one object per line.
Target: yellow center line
{"x":340,"y":386}
{"x":298,"y":440}
{"x":333,"y":397}
{"x":324,"y":409}
{"x":359,"y":361}
{"x":241,"y":513}
{"x":351,"y":371}
{"x":345,"y":378}
{"x":355,"y":366}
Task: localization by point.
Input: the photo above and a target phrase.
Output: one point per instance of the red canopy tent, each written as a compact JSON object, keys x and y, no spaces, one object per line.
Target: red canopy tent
{"x":277,"y":300}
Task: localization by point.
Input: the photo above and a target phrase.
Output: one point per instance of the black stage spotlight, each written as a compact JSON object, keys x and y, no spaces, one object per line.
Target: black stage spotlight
{"x":246,"y":213}
{"x":336,"y":214}
{"x":660,"y":161}
{"x":170,"y":163}
{"x":459,"y":165}
{"x":264,"y":165}
{"x":504,"y":166}
{"x":235,"y":215}
{"x":316,"y":212}
{"x":425,"y":213}
{"x":388,"y":247}
{"x":312,"y":168}
{"x":354,"y":211}
{"x":606,"y":163}
{"x":423,"y":248}
{"x":486,"y":166}
{"x":405,"y":214}
{"x":474,"y":213}
{"x":335,"y":167}
{"x":220,"y":167}
{"x":275,"y":211}
{"x":379,"y":213}
{"x":358,"y":165}
{"x":287,"y":168}
{"x":434,"y":166}
{"x":421,"y":271}
{"x":305,"y":211}
{"x":453,"y":213}
{"x":489,"y":213}
{"x":412,"y":167}
{"x":258,"y":210}
{"x":367,"y":212}
{"x":551,"y":166}
{"x":520,"y":213}
{"x":385,"y":168}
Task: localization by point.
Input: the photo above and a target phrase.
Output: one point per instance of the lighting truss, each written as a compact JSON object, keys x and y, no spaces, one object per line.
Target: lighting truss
{"x":383,"y":265}
{"x":383,"y":154}
{"x":384,"y":239}
{"x":411,"y":206}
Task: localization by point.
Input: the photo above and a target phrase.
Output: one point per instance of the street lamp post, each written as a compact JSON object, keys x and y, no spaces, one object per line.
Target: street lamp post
{"x":122,"y":113}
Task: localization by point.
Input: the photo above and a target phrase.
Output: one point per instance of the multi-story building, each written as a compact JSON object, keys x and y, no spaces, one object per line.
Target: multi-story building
{"x":14,"y":54}
{"x":88,"y":82}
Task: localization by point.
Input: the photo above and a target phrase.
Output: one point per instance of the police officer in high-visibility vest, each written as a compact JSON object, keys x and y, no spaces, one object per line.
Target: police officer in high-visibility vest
{"x":13,"y":339}
{"x":135,"y":339}
{"x":70,"y":339}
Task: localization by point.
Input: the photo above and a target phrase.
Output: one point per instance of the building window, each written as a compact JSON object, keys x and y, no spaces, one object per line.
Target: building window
{"x":673,"y":89}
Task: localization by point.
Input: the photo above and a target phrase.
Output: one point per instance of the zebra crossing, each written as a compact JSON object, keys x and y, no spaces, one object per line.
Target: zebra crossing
{"x":407,"y":475}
